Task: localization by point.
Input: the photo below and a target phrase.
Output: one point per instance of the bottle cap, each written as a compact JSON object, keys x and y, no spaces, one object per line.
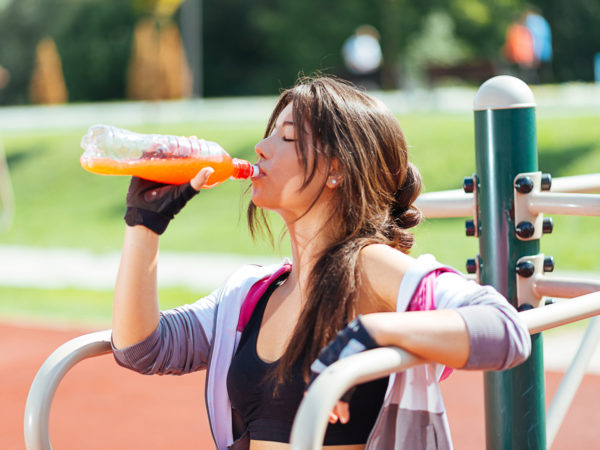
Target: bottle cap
{"x":243,"y":169}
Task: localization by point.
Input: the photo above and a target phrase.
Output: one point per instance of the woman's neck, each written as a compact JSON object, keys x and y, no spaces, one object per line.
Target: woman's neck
{"x":309,"y":239}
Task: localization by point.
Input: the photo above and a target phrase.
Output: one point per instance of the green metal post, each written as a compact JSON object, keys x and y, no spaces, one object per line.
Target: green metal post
{"x":505,"y":145}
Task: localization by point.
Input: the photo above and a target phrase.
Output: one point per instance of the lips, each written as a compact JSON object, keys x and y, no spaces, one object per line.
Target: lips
{"x":260,"y":174}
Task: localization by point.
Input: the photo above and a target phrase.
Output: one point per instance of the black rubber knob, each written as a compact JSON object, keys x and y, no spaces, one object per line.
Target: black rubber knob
{"x":548,"y":225}
{"x":525,"y":229}
{"x":468,"y":185}
{"x":470,"y":227}
{"x":546,"y":182}
{"x":548,"y":264}
{"x":471,"y":265}
{"x":524,"y":185}
{"x":525,"y":269}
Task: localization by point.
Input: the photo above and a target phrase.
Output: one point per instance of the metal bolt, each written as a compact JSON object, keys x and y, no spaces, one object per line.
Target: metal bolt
{"x":471,"y":265}
{"x":525,"y":269}
{"x":525,"y":230}
{"x":548,"y":225}
{"x":470,"y":227}
{"x":548,"y":264}
{"x":546,"y":182}
{"x":468,"y":185}
{"x":524,"y":185}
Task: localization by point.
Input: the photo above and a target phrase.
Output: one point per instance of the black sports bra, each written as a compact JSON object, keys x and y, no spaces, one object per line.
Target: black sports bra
{"x":269,"y":418}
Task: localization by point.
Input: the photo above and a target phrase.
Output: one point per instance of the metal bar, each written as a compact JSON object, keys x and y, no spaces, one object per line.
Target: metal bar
{"x":571,"y":380}
{"x":311,"y":419}
{"x":577,"y":183}
{"x":566,"y":204}
{"x":561,"y":313}
{"x":564,"y":287}
{"x":505,"y":146}
{"x":443,"y":204}
{"x":43,"y":388}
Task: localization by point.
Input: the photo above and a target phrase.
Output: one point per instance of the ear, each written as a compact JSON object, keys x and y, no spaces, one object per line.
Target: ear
{"x":335,"y":177}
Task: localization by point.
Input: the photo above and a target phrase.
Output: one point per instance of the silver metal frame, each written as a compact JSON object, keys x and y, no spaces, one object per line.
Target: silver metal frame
{"x":47,"y":379}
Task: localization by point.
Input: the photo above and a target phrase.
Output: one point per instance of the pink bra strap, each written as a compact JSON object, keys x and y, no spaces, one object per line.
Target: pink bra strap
{"x":255,"y":293}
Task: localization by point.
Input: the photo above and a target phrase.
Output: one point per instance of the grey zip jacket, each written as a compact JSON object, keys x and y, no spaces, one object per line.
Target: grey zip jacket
{"x":205,"y":335}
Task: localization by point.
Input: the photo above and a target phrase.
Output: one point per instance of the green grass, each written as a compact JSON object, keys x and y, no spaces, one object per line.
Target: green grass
{"x":60,"y":205}
{"x":75,"y":306}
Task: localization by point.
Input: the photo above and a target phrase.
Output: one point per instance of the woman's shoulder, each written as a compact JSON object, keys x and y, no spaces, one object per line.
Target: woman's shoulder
{"x":381,"y":269}
{"x":388,"y":274}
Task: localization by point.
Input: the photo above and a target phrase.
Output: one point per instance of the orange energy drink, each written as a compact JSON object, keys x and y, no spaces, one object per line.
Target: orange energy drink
{"x":161,"y":158}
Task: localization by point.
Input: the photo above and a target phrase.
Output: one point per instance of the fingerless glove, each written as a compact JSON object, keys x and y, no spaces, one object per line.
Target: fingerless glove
{"x":153,"y":205}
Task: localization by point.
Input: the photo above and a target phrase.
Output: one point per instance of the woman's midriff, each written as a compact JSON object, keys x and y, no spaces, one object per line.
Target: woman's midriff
{"x":269,"y":445}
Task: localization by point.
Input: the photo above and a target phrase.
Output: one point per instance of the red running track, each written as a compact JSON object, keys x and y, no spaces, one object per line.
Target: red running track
{"x":102,"y":406}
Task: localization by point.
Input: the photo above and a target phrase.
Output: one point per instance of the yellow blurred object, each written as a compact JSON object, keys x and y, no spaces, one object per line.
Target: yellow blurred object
{"x":166,"y":7}
{"x":47,"y":82}
{"x":158,"y":68}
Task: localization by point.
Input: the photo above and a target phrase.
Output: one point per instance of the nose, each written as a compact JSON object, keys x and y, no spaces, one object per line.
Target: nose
{"x":261,"y":149}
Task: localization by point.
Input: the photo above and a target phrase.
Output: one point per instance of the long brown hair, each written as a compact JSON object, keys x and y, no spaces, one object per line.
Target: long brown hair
{"x":374,"y":202}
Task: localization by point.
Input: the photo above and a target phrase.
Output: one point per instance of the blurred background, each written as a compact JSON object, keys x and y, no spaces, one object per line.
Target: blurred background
{"x":98,"y":50}
{"x":214,"y":68}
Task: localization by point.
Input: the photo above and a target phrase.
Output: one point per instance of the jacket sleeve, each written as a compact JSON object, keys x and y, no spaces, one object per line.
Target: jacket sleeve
{"x":180,"y":344}
{"x":498,"y":338}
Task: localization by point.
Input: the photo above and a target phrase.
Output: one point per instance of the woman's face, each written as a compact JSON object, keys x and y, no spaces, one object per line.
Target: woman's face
{"x":278,"y":185}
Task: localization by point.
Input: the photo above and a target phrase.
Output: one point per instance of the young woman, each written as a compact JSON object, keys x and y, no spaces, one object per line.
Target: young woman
{"x":333,"y":164}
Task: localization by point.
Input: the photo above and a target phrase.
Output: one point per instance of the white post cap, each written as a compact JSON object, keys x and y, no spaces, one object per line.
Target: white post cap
{"x":503,"y":92}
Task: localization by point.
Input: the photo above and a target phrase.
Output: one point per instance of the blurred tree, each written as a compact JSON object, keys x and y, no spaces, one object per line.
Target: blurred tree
{"x":158,"y":67}
{"x":482,"y":24}
{"x":47,"y":82}
{"x":575,"y":29}
{"x":21,"y":28}
{"x":261,"y":46}
{"x":94,"y":39}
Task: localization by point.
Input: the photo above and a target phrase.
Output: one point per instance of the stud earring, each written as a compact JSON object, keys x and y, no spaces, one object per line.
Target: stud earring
{"x":334,"y":181}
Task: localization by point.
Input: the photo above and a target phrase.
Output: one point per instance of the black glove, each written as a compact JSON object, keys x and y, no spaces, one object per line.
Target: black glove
{"x":353,"y":339}
{"x":153,"y":204}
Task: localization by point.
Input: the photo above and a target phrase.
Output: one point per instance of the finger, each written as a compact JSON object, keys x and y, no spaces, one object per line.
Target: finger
{"x":333,"y":418}
{"x":201,"y":178}
{"x":343,"y":411}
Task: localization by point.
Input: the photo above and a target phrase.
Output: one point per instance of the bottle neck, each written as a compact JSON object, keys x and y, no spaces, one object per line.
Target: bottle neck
{"x":243,"y":169}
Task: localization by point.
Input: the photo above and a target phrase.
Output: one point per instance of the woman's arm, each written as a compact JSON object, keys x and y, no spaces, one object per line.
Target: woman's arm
{"x":472,"y":326}
{"x":439,"y":336}
{"x":135,"y":305}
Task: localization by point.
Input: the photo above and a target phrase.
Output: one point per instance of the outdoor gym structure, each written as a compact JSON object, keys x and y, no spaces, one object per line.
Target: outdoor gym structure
{"x":507,"y":199}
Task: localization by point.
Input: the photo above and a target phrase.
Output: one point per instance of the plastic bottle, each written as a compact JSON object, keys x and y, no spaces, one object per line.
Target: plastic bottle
{"x":161,"y":158}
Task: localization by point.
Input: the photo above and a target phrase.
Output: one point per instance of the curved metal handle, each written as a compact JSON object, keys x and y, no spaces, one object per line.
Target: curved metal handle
{"x":41,"y":393}
{"x":310,"y":424}
{"x":311,"y":419}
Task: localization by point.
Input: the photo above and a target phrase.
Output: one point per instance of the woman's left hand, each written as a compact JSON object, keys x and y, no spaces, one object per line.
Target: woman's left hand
{"x":353,"y":339}
{"x":341,"y":412}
